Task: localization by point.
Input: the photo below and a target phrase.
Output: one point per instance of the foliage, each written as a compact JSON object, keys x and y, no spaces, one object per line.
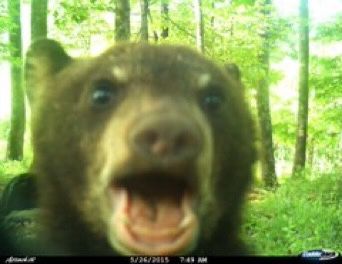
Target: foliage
{"x":4,"y":25}
{"x":8,"y":169}
{"x":326,"y":120}
{"x":303,"y":214}
{"x":331,"y":31}
{"x":4,"y":128}
{"x":81,"y":21}
{"x":325,"y":124}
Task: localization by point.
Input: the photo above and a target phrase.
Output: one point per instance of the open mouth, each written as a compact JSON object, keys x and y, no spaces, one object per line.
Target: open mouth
{"x":153,"y":214}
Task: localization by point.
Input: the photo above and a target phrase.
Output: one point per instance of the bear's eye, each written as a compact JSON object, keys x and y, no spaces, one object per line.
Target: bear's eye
{"x":212,"y":100}
{"x":103,"y":93}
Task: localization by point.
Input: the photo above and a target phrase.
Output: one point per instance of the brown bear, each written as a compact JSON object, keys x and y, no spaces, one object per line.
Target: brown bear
{"x":142,"y":150}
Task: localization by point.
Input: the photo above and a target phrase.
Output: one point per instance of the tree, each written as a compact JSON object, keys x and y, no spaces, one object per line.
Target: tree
{"x":263,"y":105}
{"x":199,"y":25}
{"x":38,"y":19}
{"x":324,"y":129}
{"x":303,"y":88}
{"x":17,"y":127}
{"x":164,"y":18}
{"x":38,"y":23}
{"x":122,"y":20}
{"x":144,"y":4}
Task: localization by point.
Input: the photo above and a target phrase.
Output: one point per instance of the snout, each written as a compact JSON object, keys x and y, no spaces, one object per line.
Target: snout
{"x":166,"y":138}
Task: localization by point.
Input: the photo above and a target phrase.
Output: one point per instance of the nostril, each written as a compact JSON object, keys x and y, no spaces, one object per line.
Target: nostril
{"x":149,"y":137}
{"x":165,"y":140}
{"x":152,"y":141}
{"x":182,"y":141}
{"x":160,"y":147}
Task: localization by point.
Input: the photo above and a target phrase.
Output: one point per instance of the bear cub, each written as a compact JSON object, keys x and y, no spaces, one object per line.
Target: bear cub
{"x":141,"y":150}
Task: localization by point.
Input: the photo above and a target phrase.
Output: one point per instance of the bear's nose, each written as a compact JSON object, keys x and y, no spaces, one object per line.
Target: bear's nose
{"x":166,"y":138}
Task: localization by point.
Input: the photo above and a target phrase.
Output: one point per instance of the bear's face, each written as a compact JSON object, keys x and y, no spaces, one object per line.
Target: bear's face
{"x":142,"y":150}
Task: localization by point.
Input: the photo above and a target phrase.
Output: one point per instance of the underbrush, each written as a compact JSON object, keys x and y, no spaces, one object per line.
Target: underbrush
{"x":302,"y":214}
{"x":9,"y":169}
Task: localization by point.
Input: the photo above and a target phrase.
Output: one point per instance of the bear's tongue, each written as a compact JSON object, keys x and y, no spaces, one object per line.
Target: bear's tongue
{"x":154,"y":212}
{"x":153,"y":223}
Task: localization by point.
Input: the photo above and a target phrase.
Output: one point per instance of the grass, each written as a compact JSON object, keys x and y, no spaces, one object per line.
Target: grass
{"x":302,"y":214}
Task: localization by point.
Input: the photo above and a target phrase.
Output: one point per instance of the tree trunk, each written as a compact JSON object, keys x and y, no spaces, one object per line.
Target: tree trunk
{"x":212,"y":18}
{"x":122,"y":20}
{"x":263,"y":105}
{"x":38,"y":19}
{"x":311,"y":153}
{"x":199,"y":25}
{"x":144,"y":4}
{"x":17,"y":129}
{"x":38,"y":30}
{"x":303,"y":89}
{"x":164,"y":19}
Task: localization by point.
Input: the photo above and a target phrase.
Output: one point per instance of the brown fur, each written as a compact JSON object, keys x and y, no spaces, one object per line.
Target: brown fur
{"x":75,"y":142}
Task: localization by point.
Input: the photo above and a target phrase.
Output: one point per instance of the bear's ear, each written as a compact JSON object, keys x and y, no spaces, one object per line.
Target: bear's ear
{"x":233,"y":70}
{"x":44,"y":58}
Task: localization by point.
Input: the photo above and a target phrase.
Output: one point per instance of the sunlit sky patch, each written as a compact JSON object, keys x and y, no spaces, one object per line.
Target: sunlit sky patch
{"x":320,"y":10}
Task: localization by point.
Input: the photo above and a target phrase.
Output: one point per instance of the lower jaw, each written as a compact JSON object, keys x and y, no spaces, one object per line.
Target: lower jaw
{"x":135,"y":247}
